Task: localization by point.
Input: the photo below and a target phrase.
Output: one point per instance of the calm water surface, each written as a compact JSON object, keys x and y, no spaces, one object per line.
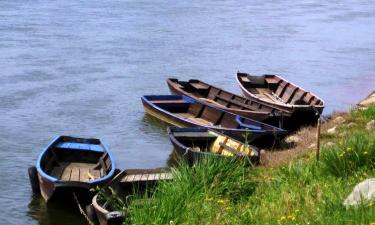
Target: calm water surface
{"x":80,"y":68}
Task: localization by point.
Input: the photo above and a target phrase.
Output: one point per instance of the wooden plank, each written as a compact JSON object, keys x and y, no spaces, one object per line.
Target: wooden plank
{"x":75,"y":174}
{"x":84,"y":174}
{"x":144,"y":177}
{"x":66,"y":174}
{"x":137,"y":177}
{"x":153,"y":176}
{"x":95,"y":173}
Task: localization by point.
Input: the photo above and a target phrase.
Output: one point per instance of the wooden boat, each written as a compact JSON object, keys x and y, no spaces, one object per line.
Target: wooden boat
{"x":217,"y":97}
{"x":73,"y":164}
{"x":129,"y":181}
{"x":304,"y":106}
{"x":182,"y":111}
{"x":198,"y":142}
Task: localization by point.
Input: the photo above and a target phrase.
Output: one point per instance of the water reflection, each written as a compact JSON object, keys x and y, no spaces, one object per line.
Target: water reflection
{"x":56,"y":213}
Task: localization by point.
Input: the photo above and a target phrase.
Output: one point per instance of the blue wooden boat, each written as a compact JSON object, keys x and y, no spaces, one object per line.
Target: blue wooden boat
{"x":73,"y":164}
{"x":183,"y":111}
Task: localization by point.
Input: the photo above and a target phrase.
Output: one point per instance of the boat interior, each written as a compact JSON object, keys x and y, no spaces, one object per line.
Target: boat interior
{"x":82,"y":162}
{"x":274,"y":89}
{"x":205,"y":115}
{"x":218,"y":96}
{"x":213,"y":142}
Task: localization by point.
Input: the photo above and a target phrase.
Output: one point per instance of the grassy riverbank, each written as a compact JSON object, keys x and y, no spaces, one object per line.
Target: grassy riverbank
{"x":298,"y":191}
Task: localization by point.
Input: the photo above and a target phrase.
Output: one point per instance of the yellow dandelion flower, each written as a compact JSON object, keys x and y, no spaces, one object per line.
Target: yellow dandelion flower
{"x":220,"y":201}
{"x":209,"y":199}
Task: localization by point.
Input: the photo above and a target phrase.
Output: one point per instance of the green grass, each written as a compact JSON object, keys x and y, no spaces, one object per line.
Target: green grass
{"x":302,"y":192}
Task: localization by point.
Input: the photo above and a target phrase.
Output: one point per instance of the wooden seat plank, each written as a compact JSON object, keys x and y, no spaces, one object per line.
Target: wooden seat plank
{"x":137,"y":177}
{"x":75,"y":174}
{"x":66,"y":174}
{"x":94,"y":173}
{"x":84,"y":174}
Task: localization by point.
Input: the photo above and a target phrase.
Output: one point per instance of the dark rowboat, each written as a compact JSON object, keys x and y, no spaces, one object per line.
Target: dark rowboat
{"x":304,"y":106}
{"x":217,"y":97}
{"x":197,"y":142}
{"x":128,"y":182}
{"x":182,"y":111}
{"x":73,"y":164}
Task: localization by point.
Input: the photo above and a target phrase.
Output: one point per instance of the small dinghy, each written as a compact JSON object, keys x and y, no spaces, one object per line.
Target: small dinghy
{"x":274,"y":90}
{"x":197,"y":142}
{"x":72,"y":164}
{"x":119,"y":194}
{"x":182,"y":111}
{"x":217,"y":97}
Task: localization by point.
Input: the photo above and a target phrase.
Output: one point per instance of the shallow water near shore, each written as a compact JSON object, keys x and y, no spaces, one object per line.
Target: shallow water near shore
{"x":80,"y":68}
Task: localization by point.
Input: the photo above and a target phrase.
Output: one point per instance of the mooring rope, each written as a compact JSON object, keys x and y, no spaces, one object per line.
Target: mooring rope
{"x":81,"y":210}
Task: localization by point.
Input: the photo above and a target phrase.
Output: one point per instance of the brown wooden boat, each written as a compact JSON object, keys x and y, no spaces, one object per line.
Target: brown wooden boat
{"x":128,"y":182}
{"x":228,"y":101}
{"x":183,"y":111}
{"x":304,"y":106}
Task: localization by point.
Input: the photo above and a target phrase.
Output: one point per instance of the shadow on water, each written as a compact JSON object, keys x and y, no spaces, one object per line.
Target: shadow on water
{"x":156,"y":126}
{"x":56,"y":213}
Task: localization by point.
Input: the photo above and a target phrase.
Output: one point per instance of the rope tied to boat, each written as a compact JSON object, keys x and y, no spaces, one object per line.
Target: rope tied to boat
{"x":81,"y":210}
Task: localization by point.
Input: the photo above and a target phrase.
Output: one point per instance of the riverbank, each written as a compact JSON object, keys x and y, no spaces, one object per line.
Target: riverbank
{"x":289,"y":187}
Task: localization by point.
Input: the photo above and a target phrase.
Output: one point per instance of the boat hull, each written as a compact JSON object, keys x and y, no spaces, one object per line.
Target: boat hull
{"x":275,"y":118}
{"x":300,"y":115}
{"x":264,"y":138}
{"x":64,"y":190}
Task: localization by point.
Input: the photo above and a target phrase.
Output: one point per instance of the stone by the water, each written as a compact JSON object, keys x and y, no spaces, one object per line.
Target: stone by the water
{"x":370,"y":125}
{"x":339,"y":120}
{"x":329,"y":144}
{"x":351,"y":124}
{"x":332,"y":130}
{"x":362,"y":192}
{"x":312,"y":146}
{"x":292,"y":139}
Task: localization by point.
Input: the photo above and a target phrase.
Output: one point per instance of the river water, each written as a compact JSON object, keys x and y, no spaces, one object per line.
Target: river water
{"x":80,"y":68}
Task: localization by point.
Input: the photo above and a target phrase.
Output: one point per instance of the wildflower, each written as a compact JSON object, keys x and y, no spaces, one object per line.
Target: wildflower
{"x":220,"y":201}
{"x":292,"y":218}
{"x":282,"y":218}
{"x":349,"y":149}
{"x":365,"y":153}
{"x":297,"y":210}
{"x":209,"y":199}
